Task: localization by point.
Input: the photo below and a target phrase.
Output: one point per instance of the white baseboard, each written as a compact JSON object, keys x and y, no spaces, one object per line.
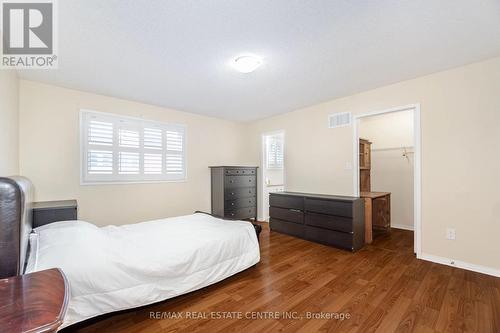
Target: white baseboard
{"x":402,"y":226}
{"x":460,"y":264}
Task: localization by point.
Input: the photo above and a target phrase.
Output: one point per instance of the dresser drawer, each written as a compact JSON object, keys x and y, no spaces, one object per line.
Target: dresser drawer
{"x":330,"y":207}
{"x":329,"y":222}
{"x":330,"y":237}
{"x":286,"y":201}
{"x":240,"y":172}
{"x":241,"y":213}
{"x":287,"y":214}
{"x":242,"y":192}
{"x":239,"y":181}
{"x":285,"y":227}
{"x":240,"y":203}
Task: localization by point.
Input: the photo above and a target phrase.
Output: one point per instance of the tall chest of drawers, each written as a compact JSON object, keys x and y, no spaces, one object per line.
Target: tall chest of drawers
{"x":333,"y":220}
{"x":234,"y":192}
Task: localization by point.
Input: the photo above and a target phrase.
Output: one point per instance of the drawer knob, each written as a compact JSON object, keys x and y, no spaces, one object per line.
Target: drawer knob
{"x":232,"y":203}
{"x":230,"y":181}
{"x":232,"y":193}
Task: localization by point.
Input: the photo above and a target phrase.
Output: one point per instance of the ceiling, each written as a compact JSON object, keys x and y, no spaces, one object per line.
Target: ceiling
{"x":176,"y":54}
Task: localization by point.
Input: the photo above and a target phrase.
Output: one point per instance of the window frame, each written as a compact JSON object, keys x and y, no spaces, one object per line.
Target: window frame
{"x":141,"y":124}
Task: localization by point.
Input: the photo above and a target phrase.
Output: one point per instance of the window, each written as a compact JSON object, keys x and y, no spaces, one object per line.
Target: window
{"x":118,"y":149}
{"x":274,"y":145}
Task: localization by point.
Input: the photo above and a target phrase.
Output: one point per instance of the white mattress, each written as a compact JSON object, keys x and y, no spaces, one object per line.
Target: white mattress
{"x":119,"y":267}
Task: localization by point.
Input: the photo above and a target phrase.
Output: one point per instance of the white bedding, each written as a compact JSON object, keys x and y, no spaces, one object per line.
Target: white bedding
{"x":119,"y":267}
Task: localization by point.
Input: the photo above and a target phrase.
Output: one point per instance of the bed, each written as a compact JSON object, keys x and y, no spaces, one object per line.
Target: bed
{"x":114,"y":268}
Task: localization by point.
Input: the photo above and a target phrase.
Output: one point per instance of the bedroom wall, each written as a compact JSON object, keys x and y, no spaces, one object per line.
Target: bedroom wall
{"x":9,"y":123}
{"x":390,"y":170}
{"x":460,"y":145}
{"x":49,"y":155}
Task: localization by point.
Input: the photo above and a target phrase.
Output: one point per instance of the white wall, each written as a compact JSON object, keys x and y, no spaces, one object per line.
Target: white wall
{"x":460,"y":126}
{"x":390,"y":171}
{"x":9,"y":123}
{"x":50,"y":156}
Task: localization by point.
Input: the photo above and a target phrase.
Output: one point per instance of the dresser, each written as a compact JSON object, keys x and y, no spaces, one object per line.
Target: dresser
{"x":234,"y":192}
{"x":332,"y":220}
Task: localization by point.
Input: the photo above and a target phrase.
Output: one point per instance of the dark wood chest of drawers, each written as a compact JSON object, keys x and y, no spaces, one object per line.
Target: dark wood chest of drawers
{"x":326,"y":219}
{"x":234,"y":192}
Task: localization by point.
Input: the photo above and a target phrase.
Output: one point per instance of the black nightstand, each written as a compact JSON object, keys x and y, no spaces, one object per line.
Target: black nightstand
{"x":53,"y":211}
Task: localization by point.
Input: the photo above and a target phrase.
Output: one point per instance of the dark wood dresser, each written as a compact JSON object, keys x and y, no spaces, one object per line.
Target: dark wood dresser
{"x":234,"y":192}
{"x":326,"y":219}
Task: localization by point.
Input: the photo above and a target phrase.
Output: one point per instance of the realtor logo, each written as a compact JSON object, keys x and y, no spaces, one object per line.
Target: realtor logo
{"x":29,"y":32}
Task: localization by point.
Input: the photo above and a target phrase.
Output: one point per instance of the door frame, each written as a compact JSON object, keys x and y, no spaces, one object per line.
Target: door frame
{"x":263,"y":168}
{"x":417,"y":165}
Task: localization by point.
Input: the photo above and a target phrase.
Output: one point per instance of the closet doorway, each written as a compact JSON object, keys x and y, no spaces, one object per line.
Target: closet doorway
{"x":272,"y":169}
{"x":387,"y":170}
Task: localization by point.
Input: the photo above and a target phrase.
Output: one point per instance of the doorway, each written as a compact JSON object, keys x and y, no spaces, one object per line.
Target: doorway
{"x":387,"y":168}
{"x":272,"y":169}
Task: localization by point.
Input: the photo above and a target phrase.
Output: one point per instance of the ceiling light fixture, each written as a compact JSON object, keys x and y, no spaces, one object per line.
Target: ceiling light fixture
{"x":247,"y":63}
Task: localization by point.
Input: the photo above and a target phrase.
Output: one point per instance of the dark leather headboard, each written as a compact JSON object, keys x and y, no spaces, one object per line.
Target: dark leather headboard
{"x":16,"y":198}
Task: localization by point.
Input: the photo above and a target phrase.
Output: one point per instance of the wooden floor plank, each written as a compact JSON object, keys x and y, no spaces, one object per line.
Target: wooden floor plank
{"x":383,"y":288}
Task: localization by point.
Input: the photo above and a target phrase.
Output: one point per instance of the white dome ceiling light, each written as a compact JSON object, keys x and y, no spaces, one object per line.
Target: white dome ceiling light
{"x":247,"y":63}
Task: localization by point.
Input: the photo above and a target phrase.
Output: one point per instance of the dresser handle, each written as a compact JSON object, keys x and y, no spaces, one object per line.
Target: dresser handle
{"x":232,"y":193}
{"x":295,"y":210}
{"x":232,"y":203}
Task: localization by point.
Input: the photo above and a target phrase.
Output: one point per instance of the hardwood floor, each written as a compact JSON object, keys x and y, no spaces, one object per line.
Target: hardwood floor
{"x":383,"y":288}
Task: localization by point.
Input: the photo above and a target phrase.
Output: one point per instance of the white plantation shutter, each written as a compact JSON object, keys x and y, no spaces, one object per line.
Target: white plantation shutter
{"x":153,"y":164}
{"x":175,"y":153}
{"x":128,"y":163}
{"x":128,"y":138}
{"x":100,"y":133}
{"x":100,"y":162}
{"x":153,"y":138}
{"x":275,"y":153}
{"x":122,"y":149}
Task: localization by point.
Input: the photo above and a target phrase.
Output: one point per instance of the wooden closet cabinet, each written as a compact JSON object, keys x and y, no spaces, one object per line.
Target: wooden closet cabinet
{"x":377,"y":204}
{"x":364,"y":165}
{"x":364,"y":154}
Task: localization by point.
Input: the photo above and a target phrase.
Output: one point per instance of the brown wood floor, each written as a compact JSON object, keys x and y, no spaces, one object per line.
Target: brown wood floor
{"x":383,"y":288}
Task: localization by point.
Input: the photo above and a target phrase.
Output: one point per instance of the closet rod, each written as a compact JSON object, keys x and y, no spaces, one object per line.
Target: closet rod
{"x":394,"y":148}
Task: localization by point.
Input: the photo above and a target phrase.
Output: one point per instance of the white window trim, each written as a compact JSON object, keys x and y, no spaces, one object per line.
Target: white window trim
{"x":83,"y":151}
